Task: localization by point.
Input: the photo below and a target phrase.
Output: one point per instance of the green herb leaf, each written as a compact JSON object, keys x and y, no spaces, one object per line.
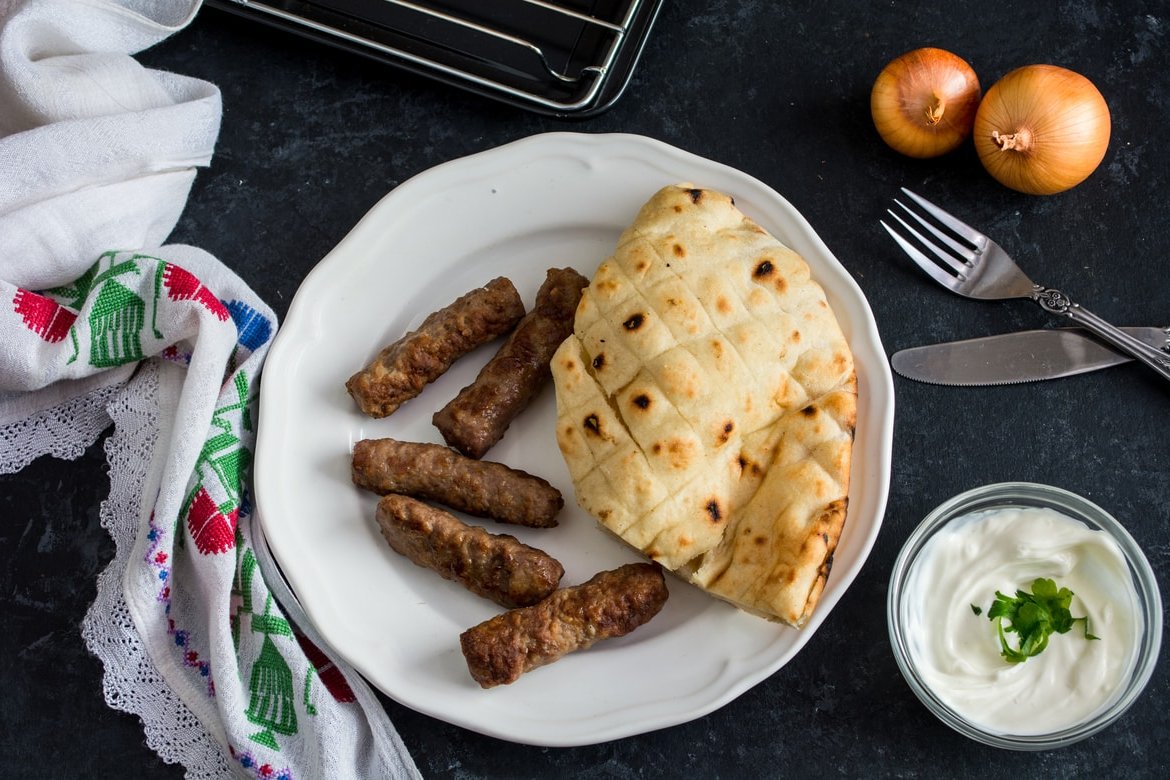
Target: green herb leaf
{"x":1033,"y":618}
{"x":978,"y":610}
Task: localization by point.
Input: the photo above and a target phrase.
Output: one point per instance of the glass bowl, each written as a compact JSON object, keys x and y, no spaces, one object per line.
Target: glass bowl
{"x":1022,"y":495}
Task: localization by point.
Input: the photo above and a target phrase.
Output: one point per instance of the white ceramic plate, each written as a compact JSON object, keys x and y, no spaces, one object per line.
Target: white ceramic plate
{"x":558,"y":199}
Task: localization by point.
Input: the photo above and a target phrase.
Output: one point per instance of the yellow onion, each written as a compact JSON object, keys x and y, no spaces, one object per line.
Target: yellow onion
{"x":1042,"y":129}
{"x":923,"y":103}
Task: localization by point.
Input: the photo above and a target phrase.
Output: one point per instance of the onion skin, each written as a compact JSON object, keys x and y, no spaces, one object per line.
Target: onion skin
{"x":923,"y":103}
{"x":1042,"y":129}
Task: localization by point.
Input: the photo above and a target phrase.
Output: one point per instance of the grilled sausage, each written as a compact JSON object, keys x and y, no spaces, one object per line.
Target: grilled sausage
{"x":611,"y":604}
{"x":478,"y":487}
{"x":478,"y":417}
{"x":403,"y":369}
{"x":495,"y":566}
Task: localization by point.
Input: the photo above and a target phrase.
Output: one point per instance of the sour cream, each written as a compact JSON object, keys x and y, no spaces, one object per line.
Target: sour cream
{"x":957,"y":653}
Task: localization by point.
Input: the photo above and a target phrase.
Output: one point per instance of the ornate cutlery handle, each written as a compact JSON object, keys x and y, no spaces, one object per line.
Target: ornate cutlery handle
{"x":1056,"y":302}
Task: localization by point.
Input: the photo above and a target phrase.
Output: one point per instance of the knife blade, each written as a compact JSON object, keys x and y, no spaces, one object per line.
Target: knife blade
{"x":1022,"y":356}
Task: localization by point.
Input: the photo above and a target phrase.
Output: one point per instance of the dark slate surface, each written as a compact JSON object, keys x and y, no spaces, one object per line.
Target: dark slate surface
{"x":312,"y":138}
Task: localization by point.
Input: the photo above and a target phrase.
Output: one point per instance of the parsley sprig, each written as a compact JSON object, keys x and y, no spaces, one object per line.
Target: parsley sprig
{"x":1033,"y":617}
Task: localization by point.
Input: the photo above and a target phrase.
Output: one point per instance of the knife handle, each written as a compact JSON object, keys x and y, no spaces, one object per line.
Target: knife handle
{"x":1056,"y":302}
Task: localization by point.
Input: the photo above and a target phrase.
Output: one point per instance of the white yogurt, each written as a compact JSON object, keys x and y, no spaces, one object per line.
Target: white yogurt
{"x":957,"y":653}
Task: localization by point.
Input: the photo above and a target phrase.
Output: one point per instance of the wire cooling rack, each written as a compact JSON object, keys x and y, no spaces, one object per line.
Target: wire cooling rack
{"x":562,"y":57}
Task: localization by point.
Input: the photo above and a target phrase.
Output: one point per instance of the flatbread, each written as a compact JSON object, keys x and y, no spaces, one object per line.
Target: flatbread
{"x":706,"y":404}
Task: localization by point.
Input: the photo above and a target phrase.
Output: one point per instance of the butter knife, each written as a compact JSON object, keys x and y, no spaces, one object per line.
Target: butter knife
{"x":1022,"y":356}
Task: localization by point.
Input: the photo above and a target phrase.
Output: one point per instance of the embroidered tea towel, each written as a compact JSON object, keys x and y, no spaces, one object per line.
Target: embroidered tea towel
{"x":100,"y":323}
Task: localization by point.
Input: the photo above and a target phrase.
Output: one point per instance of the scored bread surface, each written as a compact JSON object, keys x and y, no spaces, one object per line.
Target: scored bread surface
{"x":706,"y":404}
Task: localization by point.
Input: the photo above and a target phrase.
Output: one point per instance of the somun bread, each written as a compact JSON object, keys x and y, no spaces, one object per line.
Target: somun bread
{"x":706,"y":404}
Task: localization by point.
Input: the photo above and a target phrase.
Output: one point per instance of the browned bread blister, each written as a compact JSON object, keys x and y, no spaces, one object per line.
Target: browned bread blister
{"x":706,"y":403}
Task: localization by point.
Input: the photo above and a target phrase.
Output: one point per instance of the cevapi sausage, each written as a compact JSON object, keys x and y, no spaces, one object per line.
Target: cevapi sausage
{"x":403,"y":369}
{"x":477,"y":487}
{"x":478,"y":417}
{"x":496,"y":566}
{"x":612,"y":604}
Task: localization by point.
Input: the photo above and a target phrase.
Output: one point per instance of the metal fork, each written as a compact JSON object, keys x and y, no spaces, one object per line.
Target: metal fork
{"x":977,"y":267}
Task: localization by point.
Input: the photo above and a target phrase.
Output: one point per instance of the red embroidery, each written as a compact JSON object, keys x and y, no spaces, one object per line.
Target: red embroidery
{"x":182,"y":285}
{"x":330,"y":675}
{"x":213,"y":531}
{"x":43,"y":316}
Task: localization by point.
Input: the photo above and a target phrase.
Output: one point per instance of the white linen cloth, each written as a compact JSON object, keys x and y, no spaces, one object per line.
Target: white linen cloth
{"x":102,"y":323}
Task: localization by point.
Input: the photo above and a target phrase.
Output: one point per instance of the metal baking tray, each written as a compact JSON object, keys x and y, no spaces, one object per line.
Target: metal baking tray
{"x":557,"y":57}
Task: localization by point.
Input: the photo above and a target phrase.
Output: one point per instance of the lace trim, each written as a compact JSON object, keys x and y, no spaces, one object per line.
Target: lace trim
{"x":64,"y":431}
{"x":131,"y":682}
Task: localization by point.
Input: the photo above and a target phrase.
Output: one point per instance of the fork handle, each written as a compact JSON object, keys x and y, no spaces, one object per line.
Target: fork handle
{"x":1056,"y":302}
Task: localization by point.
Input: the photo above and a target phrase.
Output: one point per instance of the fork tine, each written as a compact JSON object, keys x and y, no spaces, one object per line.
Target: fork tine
{"x":961,"y":228}
{"x":939,"y":252}
{"x":950,"y":281}
{"x":961,"y":250}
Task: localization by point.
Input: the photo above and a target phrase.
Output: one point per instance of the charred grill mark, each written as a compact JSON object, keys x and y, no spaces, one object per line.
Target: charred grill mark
{"x":592,"y":424}
{"x":809,"y":411}
{"x":642,"y":401}
{"x":764,"y":269}
{"x":679,"y":251}
{"x":634,"y":322}
{"x":599,"y":361}
{"x":714,"y":511}
{"x":696,"y":195}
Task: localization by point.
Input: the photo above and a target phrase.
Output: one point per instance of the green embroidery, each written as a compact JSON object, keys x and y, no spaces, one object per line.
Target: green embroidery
{"x":160,"y":268}
{"x":247,"y":569}
{"x":116,"y":321}
{"x":269,"y":624}
{"x":76,"y":345}
{"x":223,"y":452}
{"x":242,"y":588}
{"x":118,"y":315}
{"x":74,"y":293}
{"x":271,"y":703}
{"x":178,"y":535}
{"x":309,"y":708}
